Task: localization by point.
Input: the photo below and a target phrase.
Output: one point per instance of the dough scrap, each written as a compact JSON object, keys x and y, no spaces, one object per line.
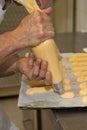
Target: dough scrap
{"x":68,"y":95}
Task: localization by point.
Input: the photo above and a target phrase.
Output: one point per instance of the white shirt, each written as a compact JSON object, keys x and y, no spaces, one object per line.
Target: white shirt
{"x":2,"y":12}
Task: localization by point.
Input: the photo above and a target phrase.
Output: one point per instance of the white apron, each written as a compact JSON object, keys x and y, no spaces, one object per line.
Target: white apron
{"x":2,"y":12}
{"x":5,"y":123}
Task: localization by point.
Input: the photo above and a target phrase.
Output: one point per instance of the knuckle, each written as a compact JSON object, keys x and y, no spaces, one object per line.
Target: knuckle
{"x":37,"y":12}
{"x":35,"y":74}
{"x":42,"y":33}
{"x":39,"y":19}
{"x":42,"y":74}
{"x":49,"y":19}
{"x":29,"y":77}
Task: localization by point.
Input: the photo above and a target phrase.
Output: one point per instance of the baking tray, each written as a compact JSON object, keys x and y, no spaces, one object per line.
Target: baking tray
{"x":52,"y":99}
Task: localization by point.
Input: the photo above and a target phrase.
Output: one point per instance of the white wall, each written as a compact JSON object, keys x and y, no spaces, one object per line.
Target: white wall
{"x":63,"y":15}
{"x":81,"y":15}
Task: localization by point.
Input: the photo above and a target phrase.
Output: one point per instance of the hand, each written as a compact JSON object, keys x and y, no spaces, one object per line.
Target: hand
{"x":42,"y":3}
{"x":35,"y":28}
{"x":34,"y":69}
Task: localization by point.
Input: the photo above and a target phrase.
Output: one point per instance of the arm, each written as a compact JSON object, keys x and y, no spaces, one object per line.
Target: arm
{"x":34,"y":29}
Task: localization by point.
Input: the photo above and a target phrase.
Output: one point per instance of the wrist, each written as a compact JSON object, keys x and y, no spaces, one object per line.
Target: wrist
{"x":18,"y":40}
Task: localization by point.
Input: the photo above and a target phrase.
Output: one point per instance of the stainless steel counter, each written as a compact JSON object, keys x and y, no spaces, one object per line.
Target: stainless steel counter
{"x":69,"y":119}
{"x":73,"y":118}
{"x":65,"y":119}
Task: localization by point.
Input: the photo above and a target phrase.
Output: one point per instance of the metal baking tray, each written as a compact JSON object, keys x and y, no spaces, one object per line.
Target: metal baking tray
{"x":52,"y":99}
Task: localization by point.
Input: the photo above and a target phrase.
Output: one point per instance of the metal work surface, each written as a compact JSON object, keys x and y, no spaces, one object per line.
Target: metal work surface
{"x":54,"y":100}
{"x":74,"y":118}
{"x":67,"y":42}
{"x":68,"y":118}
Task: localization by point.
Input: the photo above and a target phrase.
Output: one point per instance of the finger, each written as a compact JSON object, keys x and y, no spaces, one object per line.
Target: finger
{"x":49,"y":35}
{"x":40,"y":17}
{"x":43,"y":69}
{"x":49,"y":29}
{"x":36,"y":68}
{"x":48,"y":78}
{"x":48,"y":11}
{"x":23,"y":67}
{"x":31,"y":60}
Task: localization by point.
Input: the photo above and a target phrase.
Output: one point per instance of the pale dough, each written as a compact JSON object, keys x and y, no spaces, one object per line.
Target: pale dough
{"x":68,"y":95}
{"x":82,"y":79}
{"x":80,"y":73}
{"x":67,"y":87}
{"x":83,"y":91}
{"x":84,"y":100}
{"x":80,"y":55}
{"x":79,"y":63}
{"x":80,"y":68}
{"x":66,"y":81}
{"x":83,"y":86}
{"x":74,"y":59}
{"x":38,"y":90}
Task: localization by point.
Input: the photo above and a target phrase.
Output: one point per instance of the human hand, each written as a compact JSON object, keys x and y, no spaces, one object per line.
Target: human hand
{"x":34,"y":69}
{"x":34,"y":29}
{"x":41,"y":3}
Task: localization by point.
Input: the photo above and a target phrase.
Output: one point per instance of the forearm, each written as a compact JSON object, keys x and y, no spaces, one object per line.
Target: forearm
{"x":9,"y":45}
{"x":32,"y":68}
{"x":10,"y":67}
{"x":33,"y":30}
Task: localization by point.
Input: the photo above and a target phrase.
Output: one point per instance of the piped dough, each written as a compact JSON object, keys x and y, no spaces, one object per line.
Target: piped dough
{"x":68,"y":95}
{"x":67,"y":87}
{"x":80,"y":59}
{"x":38,"y":90}
{"x":82,"y":79}
{"x":83,"y":91}
{"x":74,"y":64}
{"x":80,"y":55}
{"x":80,"y":73}
{"x":80,"y":68}
{"x":84,"y":99}
{"x":66,"y":81}
{"x":83,"y":86}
